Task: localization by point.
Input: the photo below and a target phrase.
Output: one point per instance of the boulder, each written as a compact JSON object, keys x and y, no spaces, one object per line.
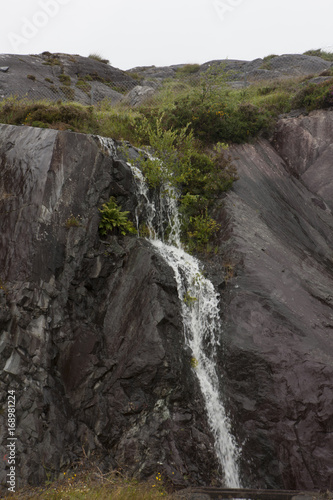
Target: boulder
{"x":138,"y":95}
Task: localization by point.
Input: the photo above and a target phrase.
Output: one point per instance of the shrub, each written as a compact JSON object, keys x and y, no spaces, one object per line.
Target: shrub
{"x":327,"y":56}
{"x":68,"y":92}
{"x":112,"y":219}
{"x":266,"y":62}
{"x":188,"y":69}
{"x":214,"y":118}
{"x":73,"y":221}
{"x":314,"y":96}
{"x":75,"y":116}
{"x":201,"y":229}
{"x":98,"y":57}
{"x":65,"y":79}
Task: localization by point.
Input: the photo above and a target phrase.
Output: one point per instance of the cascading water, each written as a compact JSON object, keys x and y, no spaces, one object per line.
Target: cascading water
{"x":200,"y":309}
{"x":200,"y":316}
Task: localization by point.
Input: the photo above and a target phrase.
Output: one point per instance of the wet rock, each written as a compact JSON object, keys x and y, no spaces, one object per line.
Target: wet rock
{"x":278,"y":305}
{"x":91,"y":335}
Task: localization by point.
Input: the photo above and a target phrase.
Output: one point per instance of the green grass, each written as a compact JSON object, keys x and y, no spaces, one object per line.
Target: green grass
{"x":102,"y":119}
{"x":93,"y":485}
{"x":212,"y":111}
{"x":328,"y":56}
{"x":98,"y":57}
{"x":188,"y":124}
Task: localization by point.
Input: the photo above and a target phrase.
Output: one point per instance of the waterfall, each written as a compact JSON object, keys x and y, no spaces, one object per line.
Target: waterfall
{"x":200,"y":311}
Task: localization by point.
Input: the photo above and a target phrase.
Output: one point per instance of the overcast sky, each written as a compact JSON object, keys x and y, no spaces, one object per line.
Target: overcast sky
{"x":163,"y":32}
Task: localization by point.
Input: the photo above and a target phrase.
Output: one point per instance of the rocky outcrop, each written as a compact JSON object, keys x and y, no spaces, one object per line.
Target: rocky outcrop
{"x":62,"y":76}
{"x":91,"y":336}
{"x":270,"y":68}
{"x":138,"y":95}
{"x":88,"y":81}
{"x":278,"y":304}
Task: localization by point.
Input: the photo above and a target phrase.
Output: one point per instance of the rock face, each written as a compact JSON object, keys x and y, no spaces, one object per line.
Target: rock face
{"x":278,"y":304}
{"x":62,"y":76}
{"x":271,"y":68}
{"x":91,"y":334}
{"x":88,"y":81}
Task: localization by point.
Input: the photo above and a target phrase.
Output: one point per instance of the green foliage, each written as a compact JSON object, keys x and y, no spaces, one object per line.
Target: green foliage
{"x":68,"y":92}
{"x":201,"y":175}
{"x":214,"y":120}
{"x":73,"y":221}
{"x":134,"y":75}
{"x":188,"y":299}
{"x":113,"y":219}
{"x":92,"y":484}
{"x":55,"y":115}
{"x":81,"y":83}
{"x":3,"y":287}
{"x":98,"y":57}
{"x":327,"y":56}
{"x":65,"y":79}
{"x":188,"y":69}
{"x":201,"y":229}
{"x":314,"y":96}
{"x":181,"y":126}
{"x":194,"y":362}
{"x":212,"y":112}
{"x":266,"y":62}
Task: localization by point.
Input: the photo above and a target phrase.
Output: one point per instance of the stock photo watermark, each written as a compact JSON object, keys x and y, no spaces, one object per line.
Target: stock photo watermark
{"x":225,"y":7}
{"x":31,"y":27}
{"x":10,"y":455}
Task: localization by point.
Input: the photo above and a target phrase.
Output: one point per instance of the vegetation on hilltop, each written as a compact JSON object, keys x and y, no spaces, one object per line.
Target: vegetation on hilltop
{"x":188,"y":124}
{"x":328,"y":56}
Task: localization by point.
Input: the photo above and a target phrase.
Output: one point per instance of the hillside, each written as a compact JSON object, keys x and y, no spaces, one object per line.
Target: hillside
{"x":96,"y":323}
{"x":88,"y":80}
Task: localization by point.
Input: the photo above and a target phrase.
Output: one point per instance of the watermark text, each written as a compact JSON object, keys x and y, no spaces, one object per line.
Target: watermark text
{"x":31,"y":27}
{"x":224,"y":7}
{"x":10,"y":456}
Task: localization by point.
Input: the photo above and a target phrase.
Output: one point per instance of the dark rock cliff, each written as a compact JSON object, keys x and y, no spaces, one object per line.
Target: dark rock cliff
{"x":91,"y":336}
{"x":278,"y":304}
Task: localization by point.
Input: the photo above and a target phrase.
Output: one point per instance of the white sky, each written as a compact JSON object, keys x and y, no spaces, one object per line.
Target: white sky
{"x":162,"y":32}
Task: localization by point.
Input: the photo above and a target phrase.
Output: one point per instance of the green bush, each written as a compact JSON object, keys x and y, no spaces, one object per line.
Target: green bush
{"x":98,"y":57}
{"x":314,"y":96}
{"x":188,"y":69}
{"x":199,"y":173}
{"x":327,"y":56}
{"x":213,"y":120}
{"x":112,"y":219}
{"x":65,"y":79}
{"x":201,"y":229}
{"x":56,"y":115}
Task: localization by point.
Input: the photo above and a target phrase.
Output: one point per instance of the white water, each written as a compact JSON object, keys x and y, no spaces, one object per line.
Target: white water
{"x":200,"y":317}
